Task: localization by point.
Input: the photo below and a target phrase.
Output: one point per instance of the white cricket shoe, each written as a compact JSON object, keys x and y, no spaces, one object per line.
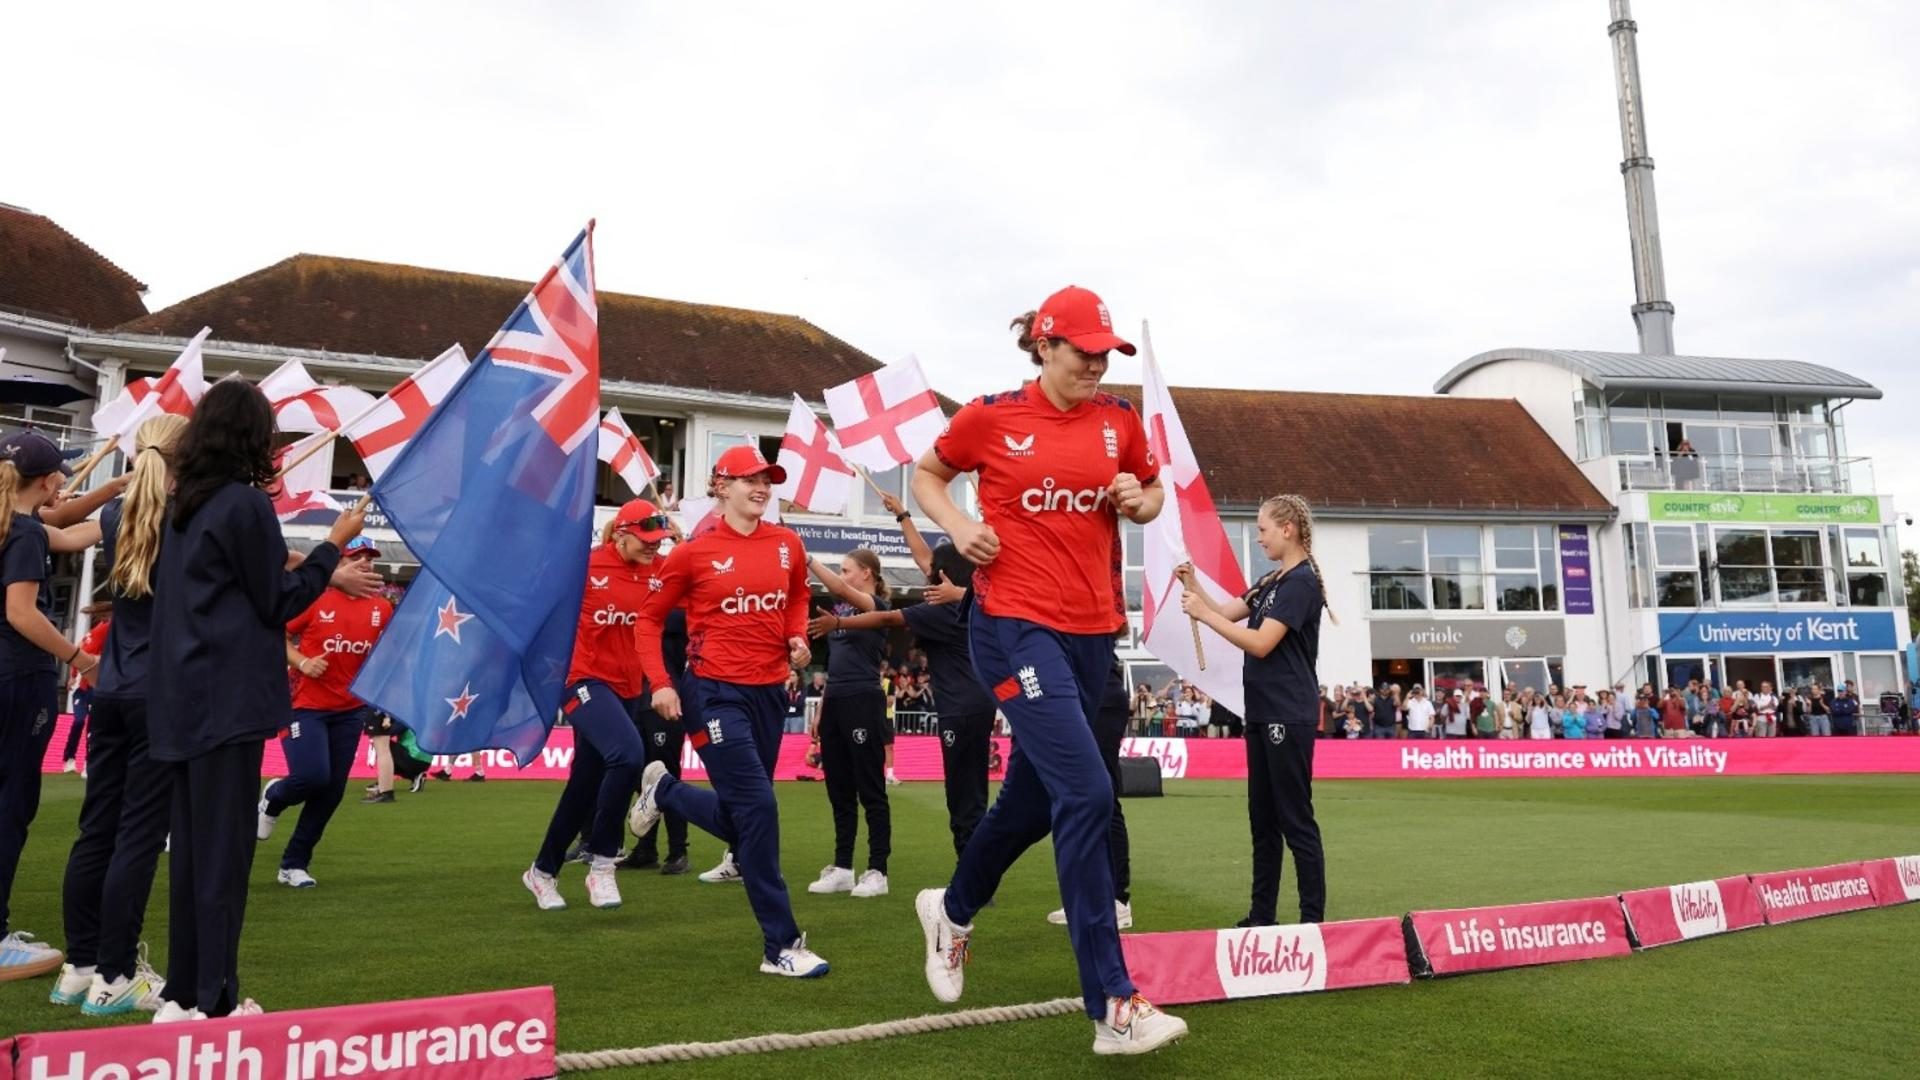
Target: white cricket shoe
{"x":602,"y":891}
{"x":727,"y":873}
{"x":299,"y":879}
{"x":872,"y":883}
{"x":23,"y":956}
{"x":947,"y":945}
{"x":249,"y":1007}
{"x":124,"y":995}
{"x":833,"y":879}
{"x":170,"y":1013}
{"x":796,"y":961}
{"x":1132,"y":1026}
{"x":72,"y":986}
{"x":1122,"y":915}
{"x":545,"y":890}
{"x":646,"y":809}
{"x":263,"y":829}
{"x":70,"y":767}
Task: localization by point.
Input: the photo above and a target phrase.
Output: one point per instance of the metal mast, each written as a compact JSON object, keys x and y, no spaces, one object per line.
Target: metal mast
{"x":1652,"y":313}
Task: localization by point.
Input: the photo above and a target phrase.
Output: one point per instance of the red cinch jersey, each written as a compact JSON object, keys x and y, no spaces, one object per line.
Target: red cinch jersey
{"x":341,"y":630}
{"x":607,"y":644}
{"x":1043,"y":487}
{"x":745,"y":595}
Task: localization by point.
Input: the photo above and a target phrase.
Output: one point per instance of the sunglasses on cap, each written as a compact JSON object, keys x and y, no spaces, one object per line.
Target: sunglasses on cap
{"x":654,"y":523}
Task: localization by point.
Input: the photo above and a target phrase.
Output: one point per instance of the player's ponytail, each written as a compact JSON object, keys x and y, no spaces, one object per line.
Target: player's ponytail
{"x":1028,"y":343}
{"x":1283,"y":509}
{"x":9,"y":490}
{"x":144,"y":507}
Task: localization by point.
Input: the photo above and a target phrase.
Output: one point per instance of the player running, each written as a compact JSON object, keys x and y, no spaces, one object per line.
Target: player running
{"x":603,"y":684}
{"x":1058,"y":462}
{"x":744,"y":584}
{"x":326,"y":645}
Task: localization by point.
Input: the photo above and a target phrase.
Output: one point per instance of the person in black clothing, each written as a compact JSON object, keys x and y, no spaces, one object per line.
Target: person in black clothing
{"x":1282,"y":641}
{"x":852,"y":728}
{"x":217,"y":678}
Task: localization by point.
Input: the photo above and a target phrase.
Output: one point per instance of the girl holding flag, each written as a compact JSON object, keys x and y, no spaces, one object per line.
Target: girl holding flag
{"x":604,"y":683}
{"x":1282,"y":641}
{"x":744,"y":583}
{"x":1058,"y":463}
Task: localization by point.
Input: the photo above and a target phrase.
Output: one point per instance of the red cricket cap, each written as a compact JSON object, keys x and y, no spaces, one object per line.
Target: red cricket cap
{"x":741,"y":461}
{"x":1081,"y":317}
{"x":643,"y":519}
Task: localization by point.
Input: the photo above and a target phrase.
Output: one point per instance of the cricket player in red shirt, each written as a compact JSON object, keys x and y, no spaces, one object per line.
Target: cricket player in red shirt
{"x":603,"y":682}
{"x":1058,"y":462}
{"x":744,"y":584}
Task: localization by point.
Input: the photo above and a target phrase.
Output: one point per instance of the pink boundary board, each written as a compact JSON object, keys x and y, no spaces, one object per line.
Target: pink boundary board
{"x":1517,"y":935}
{"x":1674,"y":913}
{"x":1184,"y":966}
{"x":1895,"y":881}
{"x":1792,"y":895}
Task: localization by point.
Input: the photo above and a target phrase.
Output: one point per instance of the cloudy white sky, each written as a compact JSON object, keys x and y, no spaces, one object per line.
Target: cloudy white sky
{"x":1299,"y":195}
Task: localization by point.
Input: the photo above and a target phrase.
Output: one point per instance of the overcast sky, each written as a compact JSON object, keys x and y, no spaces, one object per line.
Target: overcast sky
{"x":1299,"y":195}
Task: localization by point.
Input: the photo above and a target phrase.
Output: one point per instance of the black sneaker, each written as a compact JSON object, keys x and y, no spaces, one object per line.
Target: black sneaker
{"x":675,"y":864}
{"x":419,"y":784}
{"x":576,"y":853}
{"x":477,"y":778}
{"x":379,"y":797}
{"x":640,"y":861}
{"x":441,"y":774}
{"x":1250,"y":922}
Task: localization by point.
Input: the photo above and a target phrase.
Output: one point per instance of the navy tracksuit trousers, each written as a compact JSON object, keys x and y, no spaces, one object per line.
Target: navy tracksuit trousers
{"x":1049,"y":684}
{"x":213,"y":841}
{"x":739,"y":742}
{"x":319,"y":748}
{"x":123,"y":827}
{"x":26,"y":728}
{"x":606,"y":759}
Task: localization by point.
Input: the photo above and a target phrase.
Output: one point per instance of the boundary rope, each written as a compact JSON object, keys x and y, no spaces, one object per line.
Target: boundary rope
{"x":588,"y":1060}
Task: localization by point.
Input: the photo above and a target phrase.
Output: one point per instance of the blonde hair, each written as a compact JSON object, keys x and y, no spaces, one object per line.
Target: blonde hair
{"x":9,"y":490}
{"x":1284,"y":509}
{"x":144,"y":507}
{"x":606,"y":531}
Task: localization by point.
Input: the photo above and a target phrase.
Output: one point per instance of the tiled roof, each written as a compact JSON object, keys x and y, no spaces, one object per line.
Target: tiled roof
{"x":46,"y":271}
{"x":405,"y":312}
{"x":1357,"y":451}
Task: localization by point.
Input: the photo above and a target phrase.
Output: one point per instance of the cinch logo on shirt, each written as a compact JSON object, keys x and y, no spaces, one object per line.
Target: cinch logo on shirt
{"x":743,"y":602}
{"x":1049,"y":496}
{"x":613,"y":616}
{"x":1018,"y":447}
{"x":338,"y":644}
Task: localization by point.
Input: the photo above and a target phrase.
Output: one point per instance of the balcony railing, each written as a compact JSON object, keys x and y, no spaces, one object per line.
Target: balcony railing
{"x":1746,"y":472}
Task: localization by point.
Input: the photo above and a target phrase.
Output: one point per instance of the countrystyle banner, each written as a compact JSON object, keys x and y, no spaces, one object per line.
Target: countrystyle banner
{"x":917,"y":757}
{"x":1520,"y":935}
{"x":1675,"y":913}
{"x":503,"y":1035}
{"x":1186,"y":966}
{"x":1895,"y":881}
{"x":1755,"y":507}
{"x":1792,"y":895}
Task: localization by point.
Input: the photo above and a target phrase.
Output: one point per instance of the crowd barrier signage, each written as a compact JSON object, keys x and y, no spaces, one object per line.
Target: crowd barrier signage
{"x":1792,"y":895}
{"x":1895,"y":881}
{"x":1185,"y":966}
{"x":1676,"y":913}
{"x":1520,"y":935}
{"x":503,"y":1035}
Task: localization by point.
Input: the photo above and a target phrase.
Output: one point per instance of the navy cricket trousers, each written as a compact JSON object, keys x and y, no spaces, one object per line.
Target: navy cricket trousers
{"x":319,"y":749}
{"x":26,"y":727}
{"x":739,"y":742}
{"x":606,"y":758}
{"x":123,"y":827}
{"x":1049,"y":684}
{"x":213,"y":841}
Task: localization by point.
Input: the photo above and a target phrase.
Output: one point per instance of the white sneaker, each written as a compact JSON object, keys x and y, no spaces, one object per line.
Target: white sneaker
{"x":833,"y":879}
{"x":169,"y":1013}
{"x":947,"y":945}
{"x":727,"y":873}
{"x":72,"y":986}
{"x":124,"y":995}
{"x":1132,"y":1026}
{"x":22,"y":956}
{"x":602,"y":892}
{"x":872,"y":883}
{"x":796,"y":961}
{"x":299,"y":879}
{"x":263,"y":829}
{"x":646,"y":809}
{"x":70,"y":767}
{"x":545,"y":890}
{"x":251,"y":1007}
{"x":892,"y":780}
{"x":1122,"y":914}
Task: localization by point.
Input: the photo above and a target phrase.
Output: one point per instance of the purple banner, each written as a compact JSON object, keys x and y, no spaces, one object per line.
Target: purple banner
{"x":1576,"y":570}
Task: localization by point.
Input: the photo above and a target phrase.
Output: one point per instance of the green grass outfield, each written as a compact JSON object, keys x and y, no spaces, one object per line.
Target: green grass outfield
{"x":423,"y":897}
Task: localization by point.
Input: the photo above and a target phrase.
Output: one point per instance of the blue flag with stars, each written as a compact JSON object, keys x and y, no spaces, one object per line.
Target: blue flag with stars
{"x":494,"y":495}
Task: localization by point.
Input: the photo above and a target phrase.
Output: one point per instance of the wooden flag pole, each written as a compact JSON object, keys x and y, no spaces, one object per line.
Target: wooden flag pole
{"x":86,"y":467}
{"x":318,"y":445}
{"x":1199,"y":650}
{"x":367,"y":500}
{"x":868,"y":477}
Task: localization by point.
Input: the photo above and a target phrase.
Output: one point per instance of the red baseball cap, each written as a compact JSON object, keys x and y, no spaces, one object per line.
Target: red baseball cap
{"x":742,"y":461}
{"x":644,"y":520}
{"x":1081,"y":317}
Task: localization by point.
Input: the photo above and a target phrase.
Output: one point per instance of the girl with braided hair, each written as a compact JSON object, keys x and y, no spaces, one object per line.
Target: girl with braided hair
{"x":1281,"y":638}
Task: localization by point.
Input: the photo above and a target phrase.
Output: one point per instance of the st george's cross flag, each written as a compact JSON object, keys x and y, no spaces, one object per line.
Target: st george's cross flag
{"x":887,"y":417}
{"x":304,"y":486}
{"x":1187,"y":530}
{"x":623,"y":451}
{"x":381,"y":432}
{"x":494,"y":495}
{"x":301,"y":403}
{"x":176,"y":391}
{"x":818,"y":478}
